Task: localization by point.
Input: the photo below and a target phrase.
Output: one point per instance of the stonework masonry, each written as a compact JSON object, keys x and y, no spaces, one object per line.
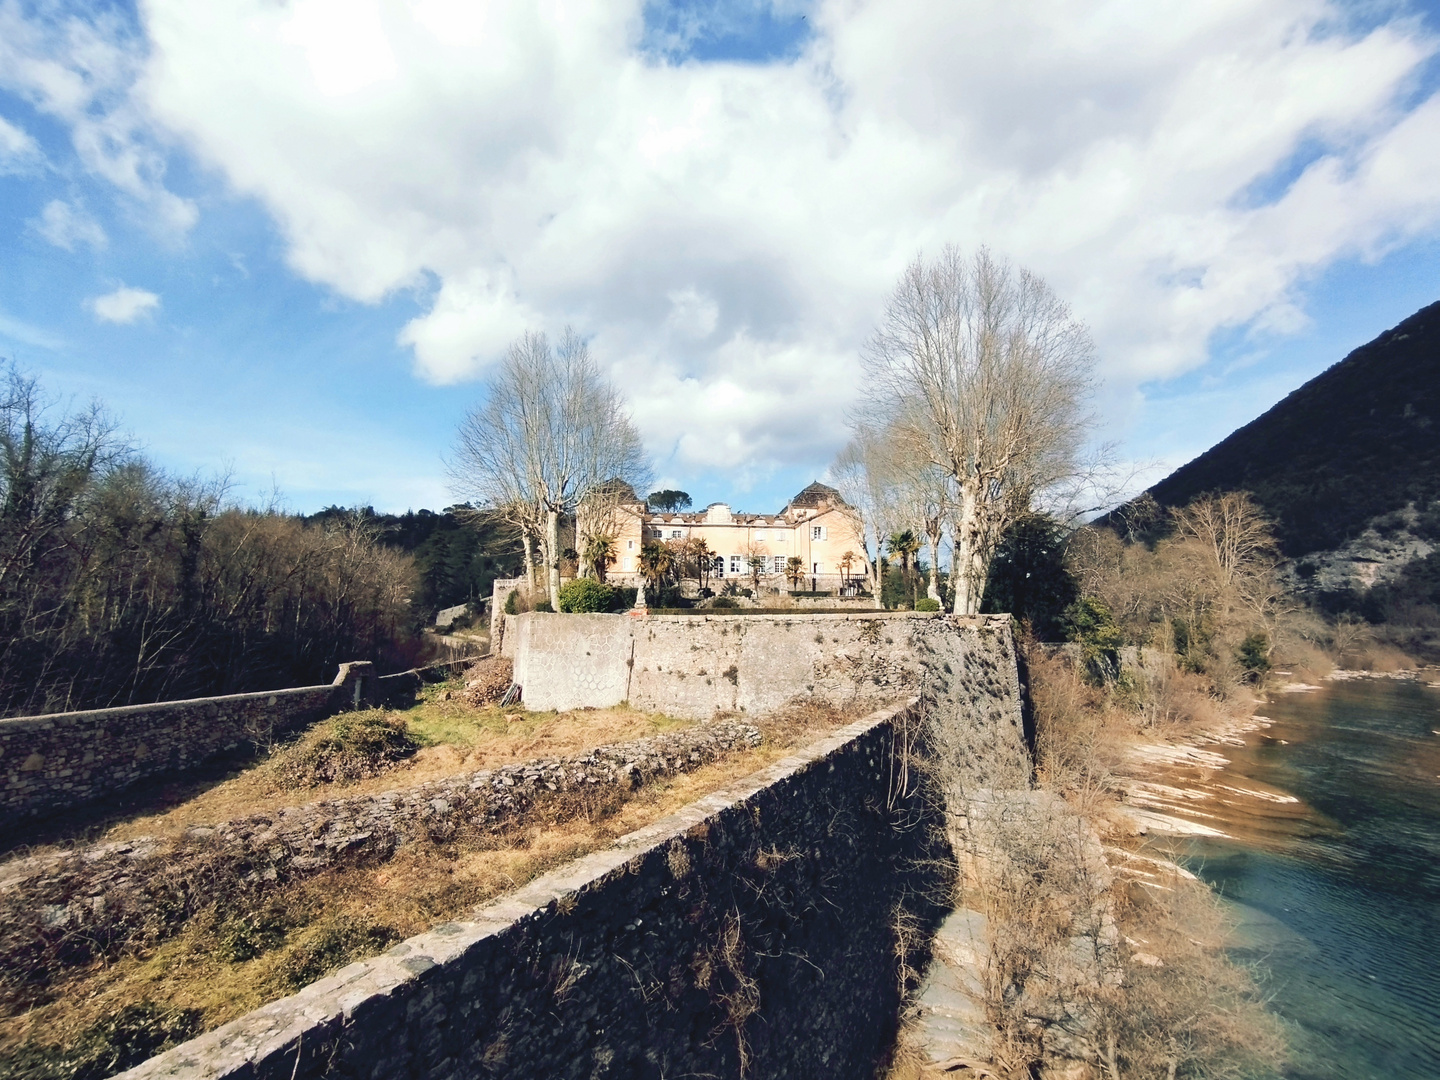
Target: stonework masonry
{"x":104,"y":892}
{"x":692,"y":666}
{"x":63,"y":759}
{"x":751,"y":934}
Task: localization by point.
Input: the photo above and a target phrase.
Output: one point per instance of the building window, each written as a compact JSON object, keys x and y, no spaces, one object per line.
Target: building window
{"x":815,"y":568}
{"x":759,"y":534}
{"x":779,"y":564}
{"x":817,"y":532}
{"x":734,"y":564}
{"x":674,"y":534}
{"x":629,"y":545}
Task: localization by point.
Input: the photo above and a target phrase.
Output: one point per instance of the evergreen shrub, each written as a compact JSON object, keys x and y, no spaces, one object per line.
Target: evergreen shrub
{"x":585,"y":595}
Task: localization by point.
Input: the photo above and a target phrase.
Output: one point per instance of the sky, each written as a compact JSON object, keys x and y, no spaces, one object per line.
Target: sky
{"x":286,"y":241}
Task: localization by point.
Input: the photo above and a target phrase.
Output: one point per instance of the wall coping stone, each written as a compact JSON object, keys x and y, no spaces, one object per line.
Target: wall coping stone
{"x":280,"y":1030}
{"x":18,"y":723}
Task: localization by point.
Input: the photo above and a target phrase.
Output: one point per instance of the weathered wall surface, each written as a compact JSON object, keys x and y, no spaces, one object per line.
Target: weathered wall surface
{"x":63,"y":759}
{"x":573,"y":660}
{"x":751,"y":934}
{"x":695,"y":665}
{"x":67,"y":758}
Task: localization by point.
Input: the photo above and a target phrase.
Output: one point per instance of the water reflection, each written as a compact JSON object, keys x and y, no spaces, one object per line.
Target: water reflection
{"x":1339,"y":894}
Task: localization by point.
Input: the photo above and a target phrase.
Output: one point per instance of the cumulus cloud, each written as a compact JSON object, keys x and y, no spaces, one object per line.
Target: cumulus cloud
{"x":124,"y":305}
{"x":726,"y":233}
{"x":66,"y":226}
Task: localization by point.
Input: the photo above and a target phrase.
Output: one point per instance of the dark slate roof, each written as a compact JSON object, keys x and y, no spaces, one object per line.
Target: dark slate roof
{"x":620,"y":489}
{"x":816,"y":496}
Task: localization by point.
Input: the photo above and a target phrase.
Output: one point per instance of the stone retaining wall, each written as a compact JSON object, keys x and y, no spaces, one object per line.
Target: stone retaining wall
{"x":694,"y":665}
{"x":61,"y":760}
{"x":751,"y":934}
{"x":100,"y":894}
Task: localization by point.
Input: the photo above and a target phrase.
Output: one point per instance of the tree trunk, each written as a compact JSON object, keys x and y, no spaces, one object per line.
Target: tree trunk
{"x":529,"y":560}
{"x":932,"y":590}
{"x":876,"y":573}
{"x":552,"y":556}
{"x":962,"y":563}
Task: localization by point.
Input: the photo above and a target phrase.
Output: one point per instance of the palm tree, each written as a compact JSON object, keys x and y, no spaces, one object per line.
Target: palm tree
{"x":846,"y":562}
{"x":905,"y":544}
{"x":600,"y":553}
{"x":795,"y":570}
{"x":655,"y":561}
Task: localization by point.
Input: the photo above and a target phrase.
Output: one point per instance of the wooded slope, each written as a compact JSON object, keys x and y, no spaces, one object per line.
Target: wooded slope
{"x":1359,"y":440}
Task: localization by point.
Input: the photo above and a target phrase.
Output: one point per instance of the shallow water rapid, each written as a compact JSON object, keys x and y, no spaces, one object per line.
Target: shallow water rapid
{"x":1339,"y":896}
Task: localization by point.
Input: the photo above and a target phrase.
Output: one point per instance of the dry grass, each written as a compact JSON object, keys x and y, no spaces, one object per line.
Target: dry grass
{"x":245,"y":951}
{"x":453,"y":737}
{"x":1185,"y":1010}
{"x":1062,"y":986}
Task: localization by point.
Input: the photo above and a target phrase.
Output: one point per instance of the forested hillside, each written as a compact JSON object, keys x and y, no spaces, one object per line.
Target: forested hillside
{"x":458,"y":554}
{"x":120,"y":584}
{"x":1358,"y":441}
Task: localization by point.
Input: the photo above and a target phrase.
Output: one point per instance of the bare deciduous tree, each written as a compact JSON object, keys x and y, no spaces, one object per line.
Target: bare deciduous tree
{"x":980,"y":370}
{"x":551,"y":432}
{"x":866,"y":475}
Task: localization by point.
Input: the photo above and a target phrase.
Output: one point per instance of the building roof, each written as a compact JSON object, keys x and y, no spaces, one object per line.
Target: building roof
{"x":816,"y":496}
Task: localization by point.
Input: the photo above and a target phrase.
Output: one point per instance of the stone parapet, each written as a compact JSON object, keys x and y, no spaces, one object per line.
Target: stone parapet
{"x":61,"y":760}
{"x":696,"y":665}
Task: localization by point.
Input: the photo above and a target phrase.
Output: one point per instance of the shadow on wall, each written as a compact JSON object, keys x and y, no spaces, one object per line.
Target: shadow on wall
{"x":64,"y":760}
{"x":770,"y":930}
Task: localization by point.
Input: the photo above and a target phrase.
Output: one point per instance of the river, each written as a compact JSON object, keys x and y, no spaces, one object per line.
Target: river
{"x":1337,"y":894}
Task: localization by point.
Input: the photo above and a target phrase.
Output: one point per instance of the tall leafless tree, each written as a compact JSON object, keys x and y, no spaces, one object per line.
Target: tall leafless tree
{"x":550,"y":432}
{"x":867,"y":476}
{"x":981,"y":371}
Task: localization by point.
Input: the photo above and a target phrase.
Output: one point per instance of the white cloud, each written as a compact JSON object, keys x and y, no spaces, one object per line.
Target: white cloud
{"x":82,"y":71}
{"x":19,"y":152}
{"x":727,"y":233}
{"x":65,"y":226}
{"x":124,"y":305}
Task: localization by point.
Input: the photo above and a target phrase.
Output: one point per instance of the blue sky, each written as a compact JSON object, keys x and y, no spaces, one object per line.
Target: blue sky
{"x":285,"y":242}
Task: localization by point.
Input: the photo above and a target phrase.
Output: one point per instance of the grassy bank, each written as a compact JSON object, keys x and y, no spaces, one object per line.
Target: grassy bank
{"x":251,"y":945}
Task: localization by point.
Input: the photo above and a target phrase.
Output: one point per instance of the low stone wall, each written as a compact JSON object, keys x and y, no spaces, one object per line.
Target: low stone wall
{"x":61,"y":760}
{"x":64,"y":759}
{"x":694,"y":665}
{"x":65,"y":907}
{"x":752,"y":934}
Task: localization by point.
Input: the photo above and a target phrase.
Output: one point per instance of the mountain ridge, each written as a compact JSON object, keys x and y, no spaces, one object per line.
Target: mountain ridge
{"x":1358,"y":441}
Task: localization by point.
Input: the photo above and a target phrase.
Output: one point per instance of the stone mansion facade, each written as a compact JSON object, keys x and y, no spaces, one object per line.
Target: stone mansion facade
{"x":816,"y":527}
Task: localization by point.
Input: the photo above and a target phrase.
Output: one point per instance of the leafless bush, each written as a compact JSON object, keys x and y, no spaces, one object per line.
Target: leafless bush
{"x":119,"y":584}
{"x":1062,"y":987}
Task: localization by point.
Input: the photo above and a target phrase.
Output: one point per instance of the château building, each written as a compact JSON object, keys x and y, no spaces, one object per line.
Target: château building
{"x":816,"y":526}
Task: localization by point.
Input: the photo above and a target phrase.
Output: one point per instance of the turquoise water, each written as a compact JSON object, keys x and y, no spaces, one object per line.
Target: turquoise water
{"x":1339,"y":897}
